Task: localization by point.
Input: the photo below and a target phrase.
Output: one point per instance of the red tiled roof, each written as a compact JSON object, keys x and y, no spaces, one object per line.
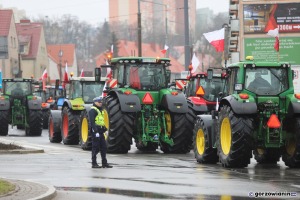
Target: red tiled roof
{"x":5,"y":20}
{"x":26,"y":30}
{"x":68,"y":53}
{"x":129,"y":48}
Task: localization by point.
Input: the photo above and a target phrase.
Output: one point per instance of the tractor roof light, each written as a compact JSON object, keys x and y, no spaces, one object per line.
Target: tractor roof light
{"x":244,"y":96}
{"x":297,"y":96}
{"x":273,"y":121}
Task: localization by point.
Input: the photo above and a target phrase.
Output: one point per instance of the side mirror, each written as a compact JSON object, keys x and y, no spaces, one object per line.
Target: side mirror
{"x":56,"y":84}
{"x":97,"y":74}
{"x":293,"y":74}
{"x":210,"y":73}
{"x":168,"y":75}
{"x":40,"y":85}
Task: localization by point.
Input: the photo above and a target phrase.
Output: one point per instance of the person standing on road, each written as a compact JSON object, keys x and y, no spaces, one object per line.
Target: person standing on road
{"x":97,"y":129}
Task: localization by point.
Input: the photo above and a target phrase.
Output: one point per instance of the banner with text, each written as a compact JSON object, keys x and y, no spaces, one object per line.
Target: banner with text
{"x":262,"y":49}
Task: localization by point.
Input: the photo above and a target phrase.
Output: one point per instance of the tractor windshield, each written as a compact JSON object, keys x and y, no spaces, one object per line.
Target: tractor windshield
{"x":146,"y":76}
{"x":91,"y":90}
{"x":17,"y":88}
{"x":212,"y":87}
{"x":266,"y":81}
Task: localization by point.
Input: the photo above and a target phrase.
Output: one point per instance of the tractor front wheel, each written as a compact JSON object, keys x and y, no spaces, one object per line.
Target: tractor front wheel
{"x":46,"y":113}
{"x":204,"y":152}
{"x":69,"y":126}
{"x":291,"y":153}
{"x":234,"y":141}
{"x":4,"y":122}
{"x":54,"y":124}
{"x":267,"y":155}
{"x":85,"y":139}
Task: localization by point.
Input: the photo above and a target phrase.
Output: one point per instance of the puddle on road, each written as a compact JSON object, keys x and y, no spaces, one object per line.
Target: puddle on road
{"x":152,"y":195}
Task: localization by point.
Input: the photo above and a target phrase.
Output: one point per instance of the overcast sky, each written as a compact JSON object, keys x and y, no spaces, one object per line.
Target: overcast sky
{"x":92,"y":11}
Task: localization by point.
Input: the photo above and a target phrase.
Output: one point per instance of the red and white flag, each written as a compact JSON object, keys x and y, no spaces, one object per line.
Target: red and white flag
{"x":164,"y":51}
{"x":112,"y":49}
{"x":44,"y":75}
{"x":272,"y":28}
{"x":66,"y":76}
{"x":195,"y":63}
{"x":216,"y":38}
{"x":81,"y":73}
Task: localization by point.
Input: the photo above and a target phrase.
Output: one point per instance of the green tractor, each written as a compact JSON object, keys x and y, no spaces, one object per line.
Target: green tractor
{"x":259,"y":115}
{"x":19,"y":107}
{"x":64,"y":123}
{"x":140,"y":106}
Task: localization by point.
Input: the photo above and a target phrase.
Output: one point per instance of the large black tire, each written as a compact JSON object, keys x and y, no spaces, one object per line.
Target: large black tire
{"x":267,"y":155}
{"x":54,"y":124}
{"x":4,"y":122}
{"x":204,"y":151}
{"x":291,"y":152}
{"x":191,"y":118}
{"x":46,"y":113}
{"x":234,"y":140}
{"x":85,"y":137}
{"x":120,"y":126}
{"x":177,"y":131}
{"x":35,"y":122}
{"x":69,"y":126}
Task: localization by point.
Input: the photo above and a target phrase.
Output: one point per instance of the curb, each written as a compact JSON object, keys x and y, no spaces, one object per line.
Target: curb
{"x":23,"y":148}
{"x":50,"y":194}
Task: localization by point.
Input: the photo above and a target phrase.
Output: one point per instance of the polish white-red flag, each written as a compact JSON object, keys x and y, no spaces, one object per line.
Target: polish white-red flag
{"x":112,"y":49}
{"x":81,"y":73}
{"x":66,"y":76}
{"x":164,"y":51}
{"x":195,"y":63}
{"x":108,"y":73}
{"x":272,"y":28}
{"x":44,"y":75}
{"x":216,"y":38}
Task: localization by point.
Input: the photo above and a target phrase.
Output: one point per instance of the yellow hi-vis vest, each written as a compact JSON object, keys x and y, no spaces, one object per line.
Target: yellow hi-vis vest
{"x":99,"y":120}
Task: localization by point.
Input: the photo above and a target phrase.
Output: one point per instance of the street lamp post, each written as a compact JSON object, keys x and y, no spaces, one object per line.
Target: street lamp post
{"x":60,"y":54}
{"x":226,"y":38}
{"x":186,"y":34}
{"x":139,"y":29}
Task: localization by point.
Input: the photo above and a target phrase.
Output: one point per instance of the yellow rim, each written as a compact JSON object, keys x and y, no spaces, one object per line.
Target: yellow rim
{"x":84,"y":130}
{"x":291,"y":147}
{"x":106,"y":121}
{"x":200,"y":141}
{"x":168,"y":123}
{"x":225,"y":136}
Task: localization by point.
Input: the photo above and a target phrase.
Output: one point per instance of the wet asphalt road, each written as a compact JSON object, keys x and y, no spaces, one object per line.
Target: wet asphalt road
{"x":138,"y":175}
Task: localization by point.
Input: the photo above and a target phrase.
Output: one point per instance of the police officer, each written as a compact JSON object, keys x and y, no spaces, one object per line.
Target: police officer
{"x":98,"y":128}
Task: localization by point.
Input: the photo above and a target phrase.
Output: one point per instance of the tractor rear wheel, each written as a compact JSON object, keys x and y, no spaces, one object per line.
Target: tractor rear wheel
{"x":204,"y":152}
{"x":69,"y":126}
{"x":4,"y":122}
{"x":35,"y":123}
{"x":85,"y":139}
{"x":191,"y":117}
{"x":234,"y":138}
{"x":120,"y":126}
{"x":267,"y":155}
{"x":291,"y":153}
{"x":177,"y":131}
{"x":54,"y":124}
{"x":46,"y":113}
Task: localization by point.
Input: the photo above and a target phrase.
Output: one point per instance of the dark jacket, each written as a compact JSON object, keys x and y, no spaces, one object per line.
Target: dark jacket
{"x":257,"y":83}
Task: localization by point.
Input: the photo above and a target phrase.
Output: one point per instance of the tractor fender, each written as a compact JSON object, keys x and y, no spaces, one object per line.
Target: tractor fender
{"x":67,"y":103}
{"x":197,"y":107}
{"x":239,"y":107}
{"x":294,"y":108}
{"x":4,"y":104}
{"x":35,"y":104}
{"x":175,"y":103}
{"x":129,"y":103}
{"x":56,"y":119}
{"x":208,"y":123}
